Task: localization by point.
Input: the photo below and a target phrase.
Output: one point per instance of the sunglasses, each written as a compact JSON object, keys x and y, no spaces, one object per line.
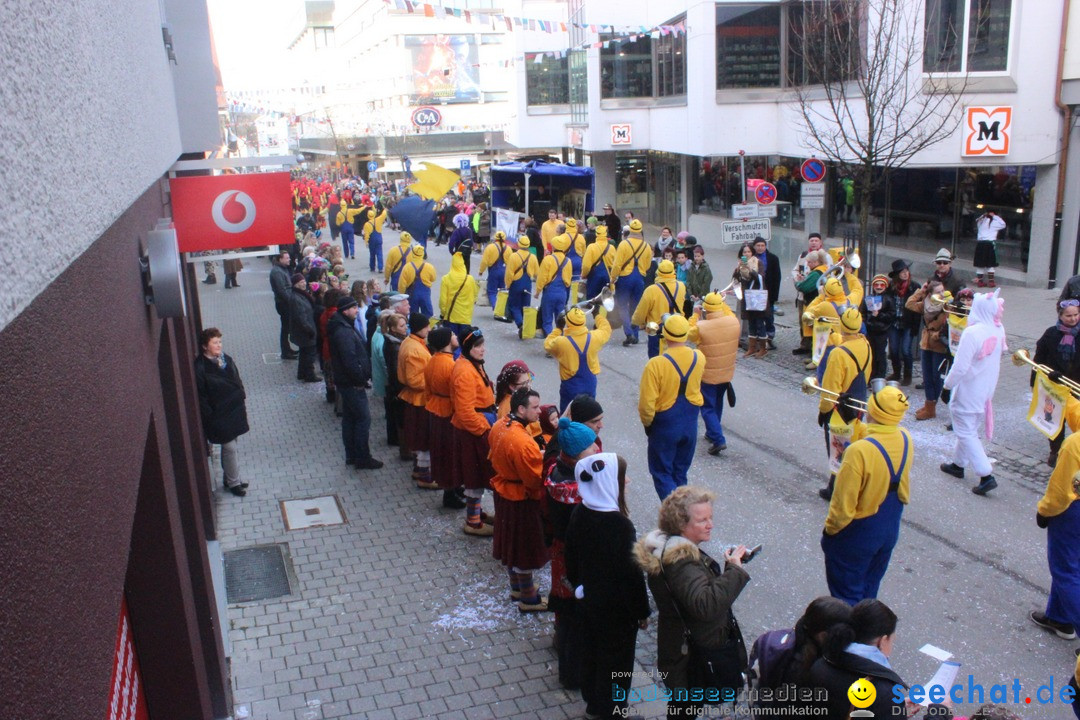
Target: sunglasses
{"x":476,"y":333}
{"x":943,"y":262}
{"x":1069,"y":303}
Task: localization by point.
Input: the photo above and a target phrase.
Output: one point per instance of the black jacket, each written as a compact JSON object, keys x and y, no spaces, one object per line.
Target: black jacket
{"x":903,"y":318}
{"x":836,"y":676}
{"x":279,"y":283}
{"x":371,"y":320}
{"x":302,"y":328}
{"x":349,"y":354}
{"x":1047,"y":353}
{"x":951,"y":282}
{"x":599,"y":556}
{"x":221,"y":400}
{"x":879,"y":325}
{"x":390,"y":348}
{"x":772,"y":277}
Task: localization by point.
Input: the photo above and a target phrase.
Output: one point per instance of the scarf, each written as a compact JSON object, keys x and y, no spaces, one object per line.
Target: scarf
{"x":901,"y":287}
{"x":1066,"y":347}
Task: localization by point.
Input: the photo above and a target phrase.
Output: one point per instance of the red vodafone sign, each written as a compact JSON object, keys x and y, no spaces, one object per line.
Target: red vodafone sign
{"x":126,"y":699}
{"x":221,"y":212}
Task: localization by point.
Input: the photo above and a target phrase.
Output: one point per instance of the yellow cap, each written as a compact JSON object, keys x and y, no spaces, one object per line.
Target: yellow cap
{"x":523,"y":241}
{"x":836,"y":254}
{"x":406,"y":237}
{"x":714,"y":302}
{"x":676,"y":328}
{"x":418,"y":252}
{"x":561,"y":243}
{"x":635,"y":225}
{"x":500,"y":235}
{"x":833,"y":289}
{"x":888,"y":405}
{"x":851,"y":320}
{"x":571,"y":224}
{"x":601,"y":231}
{"x":575,"y":317}
{"x":665,"y":271}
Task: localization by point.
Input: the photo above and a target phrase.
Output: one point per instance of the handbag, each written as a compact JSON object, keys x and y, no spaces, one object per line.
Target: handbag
{"x":757,"y":299}
{"x":713,"y":669}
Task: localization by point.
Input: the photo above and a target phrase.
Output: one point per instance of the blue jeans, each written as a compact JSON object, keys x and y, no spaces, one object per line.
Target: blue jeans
{"x":769,"y":327}
{"x":355,"y":424}
{"x":900,"y":346}
{"x":931,"y":375}
{"x":757,"y":327}
{"x":713,"y":411}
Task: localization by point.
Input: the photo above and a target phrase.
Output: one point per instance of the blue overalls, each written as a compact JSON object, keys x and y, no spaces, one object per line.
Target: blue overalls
{"x":420,"y":294}
{"x":654,"y":340}
{"x":583,"y":381}
{"x":673,"y":438}
{"x":520,"y":291}
{"x":857,"y":557}
{"x":1062,"y":543}
{"x":496,"y":276}
{"x":348,"y":235}
{"x":856,"y":390}
{"x":628,"y":290}
{"x":553,"y":299}
{"x":575,"y":259}
{"x":395,"y":274}
{"x":375,"y":259}
{"x":598,"y":275}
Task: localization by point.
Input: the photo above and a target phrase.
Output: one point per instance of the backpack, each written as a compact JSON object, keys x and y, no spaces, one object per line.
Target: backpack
{"x":770,"y":657}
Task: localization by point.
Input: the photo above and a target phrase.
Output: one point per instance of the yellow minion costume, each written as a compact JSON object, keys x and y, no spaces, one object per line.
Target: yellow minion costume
{"x":872,"y":488}
{"x":554,"y":282}
{"x":457,"y":295}
{"x":344,"y":220}
{"x":373,"y":238}
{"x":578,"y":351}
{"x":597,"y":263}
{"x":396,"y":259}
{"x":1059,"y":513}
{"x":521,"y":268}
{"x":494,"y":259}
{"x":416,"y":279}
{"x":665,"y":297}
{"x":576,"y":249}
{"x":633,"y":258}
{"x":669,"y":400}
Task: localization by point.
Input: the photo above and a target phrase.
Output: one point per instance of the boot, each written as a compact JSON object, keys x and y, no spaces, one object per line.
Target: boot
{"x":804,"y":347}
{"x":751,"y":347}
{"x":895,"y":375}
{"x":991,"y":283}
{"x":927,"y":411}
{"x":763,"y":348}
{"x":905,"y":381}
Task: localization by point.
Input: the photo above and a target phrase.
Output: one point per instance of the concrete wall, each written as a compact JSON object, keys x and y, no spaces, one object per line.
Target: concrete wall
{"x":89,"y":123}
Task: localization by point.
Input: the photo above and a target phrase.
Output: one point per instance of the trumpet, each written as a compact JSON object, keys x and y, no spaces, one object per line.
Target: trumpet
{"x":652,"y":329}
{"x":809,"y":318}
{"x":1022,"y":357}
{"x":734,"y":288}
{"x":944,"y":303}
{"x":810,"y":387}
{"x":606,"y":299}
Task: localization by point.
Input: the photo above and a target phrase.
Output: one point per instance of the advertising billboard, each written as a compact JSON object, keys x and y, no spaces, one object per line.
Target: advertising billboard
{"x":444,"y":69}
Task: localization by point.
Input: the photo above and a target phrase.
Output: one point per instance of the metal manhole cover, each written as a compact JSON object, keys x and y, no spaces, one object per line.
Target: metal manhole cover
{"x":257,"y":573}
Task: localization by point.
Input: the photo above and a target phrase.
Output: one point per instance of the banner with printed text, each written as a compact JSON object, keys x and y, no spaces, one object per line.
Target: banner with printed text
{"x":1048,"y":400}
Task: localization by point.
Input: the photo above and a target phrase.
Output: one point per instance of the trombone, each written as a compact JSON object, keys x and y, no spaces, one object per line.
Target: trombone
{"x":810,"y":387}
{"x":1022,"y":357}
{"x":837,"y":270}
{"x":606,"y":299}
{"x":652,"y":329}
{"x":948,"y":307}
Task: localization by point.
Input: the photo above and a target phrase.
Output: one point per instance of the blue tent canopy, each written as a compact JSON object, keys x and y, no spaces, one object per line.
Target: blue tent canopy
{"x":558,"y":178}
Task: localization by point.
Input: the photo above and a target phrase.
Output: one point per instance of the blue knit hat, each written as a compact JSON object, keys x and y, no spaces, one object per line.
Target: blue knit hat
{"x":574,"y":437}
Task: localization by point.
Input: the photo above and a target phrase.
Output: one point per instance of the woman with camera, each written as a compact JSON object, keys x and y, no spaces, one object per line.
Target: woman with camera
{"x":694,"y":596}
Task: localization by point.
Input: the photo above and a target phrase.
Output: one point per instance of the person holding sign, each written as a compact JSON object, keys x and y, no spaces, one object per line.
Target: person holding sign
{"x":1057,"y":350}
{"x":844,"y":370}
{"x":872,"y":488}
{"x":880,"y":314}
{"x":972,"y":380}
{"x":665,"y":297}
{"x":633,"y":257}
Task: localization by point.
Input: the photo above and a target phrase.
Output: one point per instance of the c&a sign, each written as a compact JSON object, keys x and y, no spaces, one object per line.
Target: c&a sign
{"x":221,"y":212}
{"x":987,"y":131}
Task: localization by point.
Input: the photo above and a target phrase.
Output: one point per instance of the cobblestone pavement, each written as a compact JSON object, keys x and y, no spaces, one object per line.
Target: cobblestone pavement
{"x":396,"y":613}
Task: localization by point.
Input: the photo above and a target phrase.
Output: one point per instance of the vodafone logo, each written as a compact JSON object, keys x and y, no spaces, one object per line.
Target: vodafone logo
{"x":233,"y":211}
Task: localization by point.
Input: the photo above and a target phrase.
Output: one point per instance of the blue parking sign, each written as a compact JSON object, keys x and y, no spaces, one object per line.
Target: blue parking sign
{"x":372,"y":166}
{"x":466,"y":165}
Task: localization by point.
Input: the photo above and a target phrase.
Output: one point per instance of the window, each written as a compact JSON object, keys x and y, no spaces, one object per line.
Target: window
{"x":670,"y":64}
{"x":979,"y":26}
{"x":626,"y":67}
{"x":547,"y":81}
{"x":782,"y":45}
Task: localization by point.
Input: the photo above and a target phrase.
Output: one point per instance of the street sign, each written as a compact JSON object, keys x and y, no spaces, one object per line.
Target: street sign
{"x":372,"y":166}
{"x":813,"y":170}
{"x":465,"y":165}
{"x":736,"y":232}
{"x":812,"y":190}
{"x":744,"y":212}
{"x":812,"y":196}
{"x":765,"y":193}
{"x":767,"y":211}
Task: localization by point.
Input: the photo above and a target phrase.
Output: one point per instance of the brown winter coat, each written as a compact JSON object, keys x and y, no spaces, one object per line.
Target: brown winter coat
{"x":718,"y":338}
{"x":932,"y":325}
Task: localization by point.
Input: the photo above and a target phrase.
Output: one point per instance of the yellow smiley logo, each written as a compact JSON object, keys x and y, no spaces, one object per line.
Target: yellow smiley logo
{"x":862,"y":693}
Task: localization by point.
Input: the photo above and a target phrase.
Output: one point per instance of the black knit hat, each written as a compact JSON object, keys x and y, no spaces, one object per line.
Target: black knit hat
{"x":584,"y":408}
{"x":418,"y":321}
{"x":439,"y":338}
{"x":345,"y":303}
{"x":469,"y":336}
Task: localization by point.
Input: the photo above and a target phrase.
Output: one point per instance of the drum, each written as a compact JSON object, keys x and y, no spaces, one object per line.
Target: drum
{"x":500,"y":303}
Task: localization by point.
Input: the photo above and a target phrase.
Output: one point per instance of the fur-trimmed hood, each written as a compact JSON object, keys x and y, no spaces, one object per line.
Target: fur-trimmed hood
{"x":675,"y":548}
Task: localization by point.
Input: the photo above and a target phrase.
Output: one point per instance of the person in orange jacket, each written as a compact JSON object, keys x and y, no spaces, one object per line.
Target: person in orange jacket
{"x":442,"y":342}
{"x":413,"y":358}
{"x":473,"y":400}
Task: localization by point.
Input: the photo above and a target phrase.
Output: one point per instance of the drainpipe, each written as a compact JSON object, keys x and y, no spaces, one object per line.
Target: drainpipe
{"x":1063,"y":161}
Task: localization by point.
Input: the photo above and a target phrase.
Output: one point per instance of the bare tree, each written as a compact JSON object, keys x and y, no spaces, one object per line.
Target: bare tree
{"x":863,"y":100}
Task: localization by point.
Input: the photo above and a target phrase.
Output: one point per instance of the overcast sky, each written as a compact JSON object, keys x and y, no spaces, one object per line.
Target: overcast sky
{"x":251,"y":37}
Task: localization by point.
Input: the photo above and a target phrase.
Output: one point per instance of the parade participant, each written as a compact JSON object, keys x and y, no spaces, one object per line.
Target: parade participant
{"x":494,"y":259}
{"x":513,"y":376}
{"x":849,"y":280}
{"x":694,"y":594}
{"x":351,"y":367}
{"x":413,"y":359}
{"x":521,"y":269}
{"x":987,"y":228}
{"x":441,"y":343}
{"x":600,"y":564}
{"x":716,"y":335}
{"x":665,"y":297}
{"x":831,"y":303}
{"x":518,"y":487}
{"x":802,"y":269}
{"x":395,"y":328}
{"x":302,"y":329}
{"x":632,"y":260}
{"x":221,"y":404}
{"x":396,"y":259}
{"x":1059,"y":515}
{"x":416,"y":280}
{"x":280,"y":284}
{"x":373,"y":237}
{"x":575,"y":251}
{"x":457,"y":295}
{"x":668,"y":404}
{"x":597,"y":264}
{"x":550,"y":228}
{"x":1057,"y":349}
{"x":905,"y":322}
{"x":462,"y":239}
{"x":344,"y":218}
{"x":934,"y":349}
{"x":879,"y":313}
{"x":553,"y":281}
{"x":872,"y":488}
{"x":474,"y":413}
{"x":944,"y":274}
{"x":972,"y":381}
{"x":845,"y":370}
{"x":817,"y":263}
{"x":578,"y":351}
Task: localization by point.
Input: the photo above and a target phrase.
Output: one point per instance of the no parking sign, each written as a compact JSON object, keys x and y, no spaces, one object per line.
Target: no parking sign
{"x":812,"y":170}
{"x":765,"y":193}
